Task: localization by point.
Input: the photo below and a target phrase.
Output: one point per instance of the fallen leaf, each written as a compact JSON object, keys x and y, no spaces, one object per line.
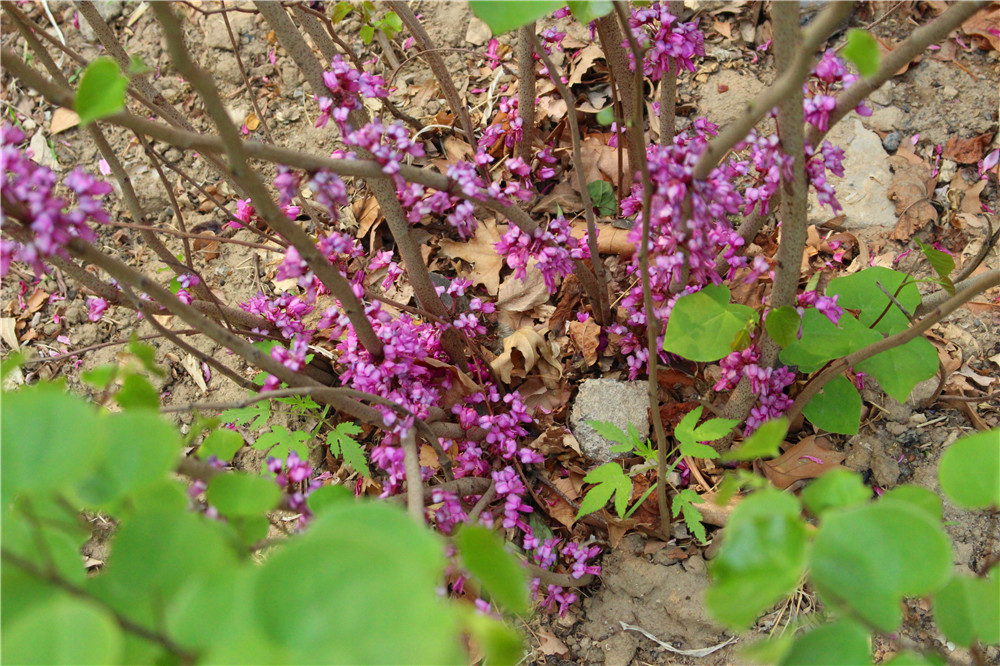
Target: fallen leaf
{"x":35,"y":302}
{"x":586,"y":336}
{"x":252,"y":122}
{"x":601,"y":160}
{"x":457,"y":150}
{"x":967,"y":151}
{"x":556,"y":441}
{"x":912,"y":194}
{"x":527,"y":351}
{"x":610,"y":239}
{"x":549,"y":645}
{"x":367,"y":214}
{"x":515,"y":295}
{"x":584,"y":61}
{"x":193,"y":367}
{"x":797,"y":462}
{"x":8,"y":334}
{"x":62,"y":120}
{"x":480,"y":253}
{"x":984,"y":25}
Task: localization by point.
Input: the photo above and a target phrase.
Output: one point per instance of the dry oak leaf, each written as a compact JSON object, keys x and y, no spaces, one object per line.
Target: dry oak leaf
{"x":586,"y":336}
{"x":800,"y":462}
{"x":517,"y":295}
{"x":601,"y":159}
{"x":549,"y":644}
{"x":985,"y":25}
{"x":480,"y":253}
{"x":967,"y":151}
{"x":527,"y":351}
{"x":911,"y":189}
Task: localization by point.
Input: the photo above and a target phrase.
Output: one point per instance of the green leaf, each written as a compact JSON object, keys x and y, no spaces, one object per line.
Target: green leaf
{"x":907,"y":658}
{"x":966,"y":609}
{"x":862,"y":50}
{"x":761,"y":559}
{"x":222,"y":443}
{"x":822,"y":340}
{"x":683,"y":503}
{"x":50,"y":439}
{"x":684,"y":431}
{"x":279,"y":442}
{"x":343,"y":613}
{"x":843,"y":642}
{"x":146,"y":355}
{"x":586,"y":11}
{"x":704,"y":326}
{"x":602,"y":195}
{"x":606,"y":116}
{"x":62,"y":630}
{"x":836,"y":408}
{"x":101,"y":92}
{"x":255,"y":416}
{"x":610,"y":480}
{"x":763,"y":443}
{"x":901,"y":368}
{"x":969,"y":470}
{"x":870,"y":557}
{"x":688,"y":436}
{"x":502,"y":15}
{"x":860,"y":291}
{"x":137,"y":393}
{"x":392,"y":24}
{"x":237,"y":494}
{"x":609,"y":430}
{"x":837,"y":489}
{"x":500,"y":643}
{"x":942,"y":263}
{"x":783,"y":324}
{"x":142,"y":451}
{"x":101,"y":376}
{"x":340,"y":10}
{"x":714,"y":429}
{"x":342,"y":443}
{"x":367,"y":34}
{"x":324,"y":497}
{"x":483,"y":555}
{"x":922,"y":498}
{"x":224,"y":598}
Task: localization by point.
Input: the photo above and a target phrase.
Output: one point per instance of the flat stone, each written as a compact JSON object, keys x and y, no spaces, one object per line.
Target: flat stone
{"x":886,"y":120}
{"x":863,"y":191}
{"x":609,"y":400}
{"x":725,"y":95}
{"x":883,"y":95}
{"x":109,"y":11}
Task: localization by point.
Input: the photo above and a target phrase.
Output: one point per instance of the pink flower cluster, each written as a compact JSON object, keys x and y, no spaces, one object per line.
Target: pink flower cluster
{"x":345,"y":85}
{"x":830,"y":74}
{"x":30,"y":189}
{"x":768,"y":384}
{"x":669,"y":43}
{"x":553,"y":248}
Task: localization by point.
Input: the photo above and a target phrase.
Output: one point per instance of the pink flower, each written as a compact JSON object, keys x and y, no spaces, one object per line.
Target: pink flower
{"x":96,"y":308}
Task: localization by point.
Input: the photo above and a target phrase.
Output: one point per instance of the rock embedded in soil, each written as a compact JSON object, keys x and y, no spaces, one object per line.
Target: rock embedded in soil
{"x":609,"y":400}
{"x":891,"y":141}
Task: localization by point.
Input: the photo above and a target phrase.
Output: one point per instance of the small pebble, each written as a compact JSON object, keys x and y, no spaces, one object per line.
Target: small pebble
{"x":891,"y":141}
{"x":917,"y":419}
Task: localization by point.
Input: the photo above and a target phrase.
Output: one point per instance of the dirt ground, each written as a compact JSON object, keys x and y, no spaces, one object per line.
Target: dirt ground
{"x":652,"y":585}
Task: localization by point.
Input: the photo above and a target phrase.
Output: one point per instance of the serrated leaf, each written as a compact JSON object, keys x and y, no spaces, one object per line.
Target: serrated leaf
{"x":482,"y":554}
{"x":367,"y":34}
{"x":901,"y":368}
{"x":969,"y":470}
{"x":136,"y":392}
{"x":763,"y":443}
{"x":222,"y":443}
{"x":101,"y":92}
{"x":863,"y":51}
{"x":684,"y":503}
{"x":714,"y":429}
{"x":697,"y":450}
{"x":609,"y":430}
{"x":279,"y":442}
{"x":238,"y":494}
{"x":610,"y":480}
{"x":783,"y":324}
{"x":684,"y":431}
{"x":341,"y":442}
{"x":704,"y":326}
{"x":255,"y":416}
{"x":502,"y":15}
{"x":872,"y":556}
{"x":836,"y":408}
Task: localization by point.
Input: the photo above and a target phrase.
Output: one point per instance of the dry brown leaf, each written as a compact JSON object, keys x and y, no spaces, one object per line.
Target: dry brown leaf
{"x":462,"y":385}
{"x":911,"y":190}
{"x":193,"y":367}
{"x":724,"y":28}
{"x":8,"y":334}
{"x":549,"y":645}
{"x":480,"y":253}
{"x":35,"y":302}
{"x":586,"y":336}
{"x":610,"y":239}
{"x":527,"y":351}
{"x":556,"y":441}
{"x":967,"y":151}
{"x":252,"y":122}
{"x":516,"y":295}
{"x":984,"y":25}
{"x":799,"y":462}
{"x":457,"y":150}
{"x":367,"y":214}
{"x":557,"y":508}
{"x":601,"y":160}
{"x":551,"y":107}
{"x":563,"y":197}
{"x":429,"y":457}
{"x":584,"y":61}
{"x":62,"y":120}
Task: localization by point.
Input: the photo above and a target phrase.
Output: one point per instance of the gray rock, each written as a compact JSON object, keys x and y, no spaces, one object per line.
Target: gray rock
{"x":883,"y":95}
{"x":863,"y":191}
{"x":725,"y":96}
{"x":885,"y":469}
{"x":617,"y":402}
{"x":886,"y":120}
{"x":216,"y":35}
{"x":922,"y":392}
{"x":891,"y":141}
